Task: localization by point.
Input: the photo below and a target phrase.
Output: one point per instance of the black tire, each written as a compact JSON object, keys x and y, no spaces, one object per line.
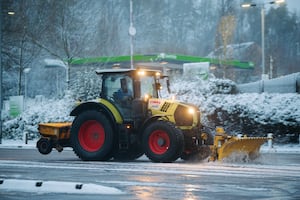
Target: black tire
{"x":92,"y":136}
{"x":163,"y":142}
{"x":44,"y":146}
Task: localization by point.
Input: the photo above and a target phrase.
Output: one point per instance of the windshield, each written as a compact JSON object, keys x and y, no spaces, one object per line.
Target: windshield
{"x":148,"y":86}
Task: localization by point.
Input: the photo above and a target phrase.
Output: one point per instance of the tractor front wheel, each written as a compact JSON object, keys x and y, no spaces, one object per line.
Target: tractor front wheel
{"x":92,"y":136}
{"x":163,"y":142}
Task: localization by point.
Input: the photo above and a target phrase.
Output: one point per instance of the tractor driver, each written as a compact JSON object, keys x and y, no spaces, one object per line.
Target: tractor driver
{"x":124,"y":94}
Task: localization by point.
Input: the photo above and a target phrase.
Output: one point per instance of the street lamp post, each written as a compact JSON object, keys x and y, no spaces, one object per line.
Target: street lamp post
{"x":262,"y":7}
{"x":10,"y":12}
{"x":132,"y":32}
{"x":26,"y":71}
{"x":1,"y":79}
{"x":263,"y":76}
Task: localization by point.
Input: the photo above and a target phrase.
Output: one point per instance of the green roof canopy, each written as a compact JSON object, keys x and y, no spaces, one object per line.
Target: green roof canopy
{"x":172,"y":58}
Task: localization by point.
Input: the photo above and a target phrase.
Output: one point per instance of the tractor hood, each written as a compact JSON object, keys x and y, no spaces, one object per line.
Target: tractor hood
{"x":181,"y":114}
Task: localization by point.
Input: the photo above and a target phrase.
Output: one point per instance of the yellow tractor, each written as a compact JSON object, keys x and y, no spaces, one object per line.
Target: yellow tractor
{"x":130,"y":119}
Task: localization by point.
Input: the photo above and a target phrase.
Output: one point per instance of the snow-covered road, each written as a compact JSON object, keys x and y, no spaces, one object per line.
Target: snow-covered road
{"x":274,"y":175}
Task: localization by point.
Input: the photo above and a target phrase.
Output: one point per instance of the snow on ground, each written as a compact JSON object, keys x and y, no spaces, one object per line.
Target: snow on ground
{"x":6,"y":143}
{"x":287,"y":148}
{"x":41,"y":187}
{"x":39,"y":110}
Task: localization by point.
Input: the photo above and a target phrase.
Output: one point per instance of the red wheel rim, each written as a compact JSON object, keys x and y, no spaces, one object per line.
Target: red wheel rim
{"x":91,"y":135}
{"x":159,"y":142}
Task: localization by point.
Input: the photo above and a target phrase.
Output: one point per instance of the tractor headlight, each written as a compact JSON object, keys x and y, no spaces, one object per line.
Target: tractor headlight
{"x":184,"y":115}
{"x":191,"y":111}
{"x":141,"y":73}
{"x":146,"y":97}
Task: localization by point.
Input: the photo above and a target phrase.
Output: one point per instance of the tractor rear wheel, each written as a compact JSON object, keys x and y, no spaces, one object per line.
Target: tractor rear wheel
{"x":92,"y":136}
{"x":163,"y":142}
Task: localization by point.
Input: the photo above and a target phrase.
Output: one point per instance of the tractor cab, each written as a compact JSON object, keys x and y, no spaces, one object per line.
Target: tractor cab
{"x":122,"y":87}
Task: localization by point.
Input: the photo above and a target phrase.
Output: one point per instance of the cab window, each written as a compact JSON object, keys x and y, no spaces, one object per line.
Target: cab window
{"x":116,"y":84}
{"x":148,"y":86}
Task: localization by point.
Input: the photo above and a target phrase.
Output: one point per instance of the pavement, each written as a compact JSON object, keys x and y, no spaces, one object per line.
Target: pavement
{"x":18,"y":144}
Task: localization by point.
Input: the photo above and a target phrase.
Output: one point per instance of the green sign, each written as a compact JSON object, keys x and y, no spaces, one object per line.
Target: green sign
{"x":16,"y":105}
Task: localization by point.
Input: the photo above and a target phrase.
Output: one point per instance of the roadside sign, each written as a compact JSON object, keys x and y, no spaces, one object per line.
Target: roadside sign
{"x":16,"y":105}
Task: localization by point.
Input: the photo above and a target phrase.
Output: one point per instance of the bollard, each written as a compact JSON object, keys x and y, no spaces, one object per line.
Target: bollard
{"x":270,"y":140}
{"x":25,"y":137}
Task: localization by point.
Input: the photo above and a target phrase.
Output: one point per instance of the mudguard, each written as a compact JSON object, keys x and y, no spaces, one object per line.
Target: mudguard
{"x":101,"y":105}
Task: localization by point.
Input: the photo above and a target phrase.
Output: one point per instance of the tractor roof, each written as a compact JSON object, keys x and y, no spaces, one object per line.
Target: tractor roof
{"x":110,"y":71}
{"x":106,"y":71}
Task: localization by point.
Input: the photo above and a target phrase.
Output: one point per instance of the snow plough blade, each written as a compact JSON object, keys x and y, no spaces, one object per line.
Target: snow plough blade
{"x":225,"y":146}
